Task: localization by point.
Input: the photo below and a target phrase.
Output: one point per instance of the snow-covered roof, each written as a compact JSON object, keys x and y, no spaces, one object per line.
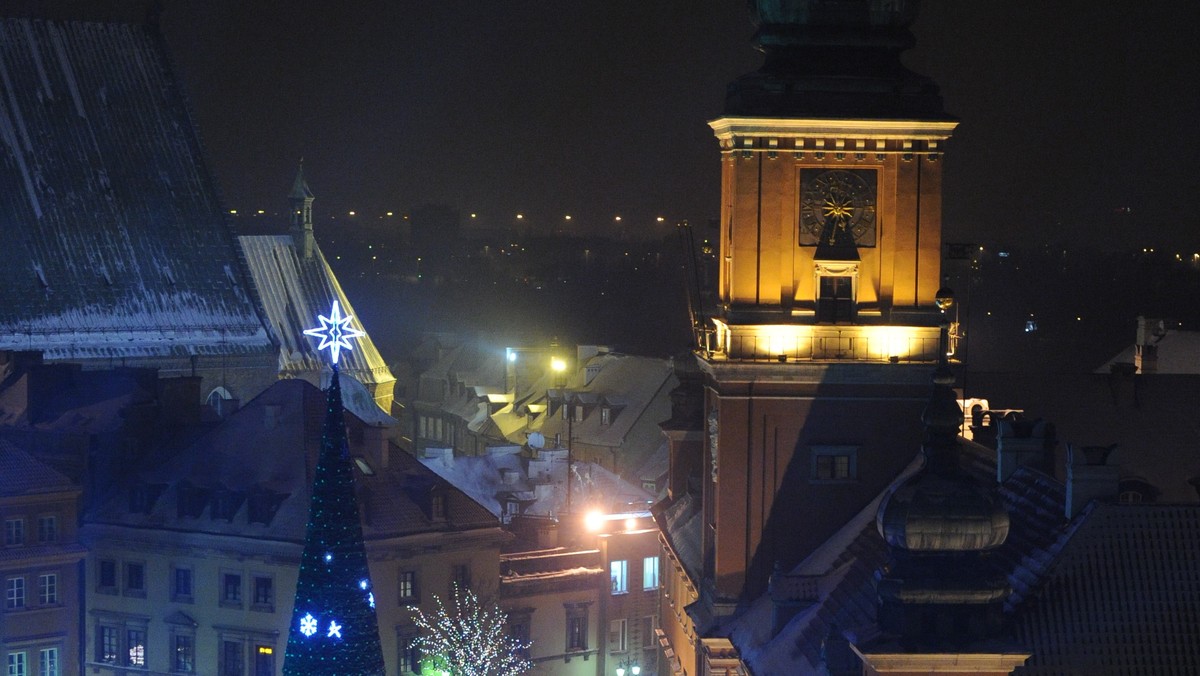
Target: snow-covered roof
{"x":118,"y":243}
{"x":23,"y":474}
{"x":294,"y":291}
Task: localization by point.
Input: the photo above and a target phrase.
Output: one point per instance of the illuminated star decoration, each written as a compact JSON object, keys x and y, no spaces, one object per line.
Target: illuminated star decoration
{"x":335,"y":332}
{"x":335,"y":630}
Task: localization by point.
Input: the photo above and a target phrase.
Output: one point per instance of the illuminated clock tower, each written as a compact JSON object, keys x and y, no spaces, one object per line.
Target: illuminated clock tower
{"x":817,"y":365}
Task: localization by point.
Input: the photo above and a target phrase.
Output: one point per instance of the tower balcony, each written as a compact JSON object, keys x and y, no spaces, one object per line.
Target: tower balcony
{"x":820,"y":342}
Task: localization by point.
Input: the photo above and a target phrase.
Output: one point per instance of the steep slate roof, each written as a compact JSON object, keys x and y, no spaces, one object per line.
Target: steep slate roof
{"x":294,"y":291}
{"x":117,"y":243}
{"x":22,"y":474}
{"x":270,"y":444}
{"x":1151,"y":418}
{"x":1114,"y":591}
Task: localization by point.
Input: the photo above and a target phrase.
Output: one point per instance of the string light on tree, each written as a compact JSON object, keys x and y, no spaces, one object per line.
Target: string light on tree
{"x":334,"y":631}
{"x":468,"y":639}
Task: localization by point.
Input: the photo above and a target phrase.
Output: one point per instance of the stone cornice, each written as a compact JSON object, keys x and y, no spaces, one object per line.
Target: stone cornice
{"x":731,"y":126}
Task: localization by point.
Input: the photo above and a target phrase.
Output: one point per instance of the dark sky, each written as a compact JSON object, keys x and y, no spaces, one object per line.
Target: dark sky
{"x":1070,"y":110}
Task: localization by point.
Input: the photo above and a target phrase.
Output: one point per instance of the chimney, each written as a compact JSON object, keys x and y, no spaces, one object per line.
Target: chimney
{"x":1021,"y":442}
{"x":179,"y":400}
{"x":1089,"y":476}
{"x":375,"y":444}
{"x":1145,"y":350}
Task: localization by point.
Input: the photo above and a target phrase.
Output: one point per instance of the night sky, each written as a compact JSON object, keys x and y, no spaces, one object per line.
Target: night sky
{"x":1071,"y":112}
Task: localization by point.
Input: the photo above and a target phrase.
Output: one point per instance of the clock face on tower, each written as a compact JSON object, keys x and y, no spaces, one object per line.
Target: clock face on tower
{"x":837,"y":207}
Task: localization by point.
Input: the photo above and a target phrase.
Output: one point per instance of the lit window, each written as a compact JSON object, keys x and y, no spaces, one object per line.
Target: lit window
{"x":618,"y":636}
{"x":605,"y":415}
{"x":136,"y":644}
{"x":107,"y":647}
{"x":264,"y":661}
{"x":17,"y":665}
{"x":47,"y":529}
{"x":14,"y":532}
{"x":48,"y":662}
{"x":184,"y":659}
{"x":14,"y":593}
{"x":619,"y":572}
{"x":408,"y":586}
{"x":47,"y":589}
{"x":578,"y":413}
{"x":410,"y":654}
{"x":650,"y":572}
{"x":577,"y":615}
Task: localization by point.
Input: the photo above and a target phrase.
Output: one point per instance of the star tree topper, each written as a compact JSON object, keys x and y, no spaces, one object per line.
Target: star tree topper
{"x":335,"y":332}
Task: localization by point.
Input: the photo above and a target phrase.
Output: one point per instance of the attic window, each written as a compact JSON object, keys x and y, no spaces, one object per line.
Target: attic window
{"x":605,"y":415}
{"x":143,"y":496}
{"x":364,"y":466}
{"x":437,"y":507}
{"x":578,"y":413}
{"x":225,"y":504}
{"x":262,"y":505}
{"x":191,"y":500}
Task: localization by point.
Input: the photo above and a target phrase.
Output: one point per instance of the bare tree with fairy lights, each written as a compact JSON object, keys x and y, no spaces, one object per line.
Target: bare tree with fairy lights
{"x":468,"y":638}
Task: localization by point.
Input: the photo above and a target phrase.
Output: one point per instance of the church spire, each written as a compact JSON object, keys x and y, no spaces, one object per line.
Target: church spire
{"x":301,"y":199}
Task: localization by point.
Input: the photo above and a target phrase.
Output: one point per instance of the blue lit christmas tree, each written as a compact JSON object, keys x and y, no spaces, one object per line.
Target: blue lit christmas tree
{"x":334,"y":631}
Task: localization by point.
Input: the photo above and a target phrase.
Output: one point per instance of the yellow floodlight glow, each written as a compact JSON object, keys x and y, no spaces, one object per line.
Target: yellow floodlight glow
{"x":558,"y":365}
{"x":593,"y":521}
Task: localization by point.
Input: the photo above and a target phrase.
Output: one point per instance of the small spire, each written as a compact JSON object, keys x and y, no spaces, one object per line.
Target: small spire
{"x":300,"y":189}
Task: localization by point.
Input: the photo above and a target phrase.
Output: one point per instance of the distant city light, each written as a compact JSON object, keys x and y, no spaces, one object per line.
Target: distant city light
{"x":472,"y":215}
{"x":353,"y":214}
{"x":389,"y":213}
{"x":617,"y":218}
{"x":660,"y":219}
{"x":261,"y":211}
{"x":233,"y":211}
{"x":520,"y":216}
{"x":567,"y":217}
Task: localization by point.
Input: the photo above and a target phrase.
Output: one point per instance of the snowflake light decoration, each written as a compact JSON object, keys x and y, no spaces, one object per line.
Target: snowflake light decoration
{"x":335,"y":332}
{"x":308,"y":625}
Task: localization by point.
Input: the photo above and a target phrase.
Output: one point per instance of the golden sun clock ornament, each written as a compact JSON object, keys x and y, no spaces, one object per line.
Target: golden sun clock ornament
{"x":837,"y":206}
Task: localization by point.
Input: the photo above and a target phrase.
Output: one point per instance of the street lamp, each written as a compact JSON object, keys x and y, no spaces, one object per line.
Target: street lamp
{"x":633,"y":667}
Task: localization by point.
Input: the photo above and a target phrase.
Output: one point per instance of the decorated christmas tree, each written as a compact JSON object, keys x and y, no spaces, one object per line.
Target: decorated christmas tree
{"x":334,"y":631}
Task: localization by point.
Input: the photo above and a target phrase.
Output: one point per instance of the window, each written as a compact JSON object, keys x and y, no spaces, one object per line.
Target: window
{"x":136,"y":645}
{"x":650,"y":572}
{"x":47,"y":528}
{"x":14,"y":534}
{"x":264,"y":593}
{"x":231,"y":589}
{"x":233,"y":661}
{"x":619,"y":572}
{"x":576,"y":627}
{"x":48,"y":662}
{"x":410,"y":655}
{"x":107,"y":647}
{"x":181,"y":585}
{"x":578,"y":413}
{"x":408,"y":586}
{"x":264,"y":661}
{"x":648,"y":631}
{"x":47,"y":589}
{"x":135,"y":579}
{"x":184,"y":653}
{"x":518,"y":629}
{"x":437,"y":507}
{"x":834,"y":463}
{"x":107,"y":575}
{"x":605,"y":415}
{"x":17,"y":665}
{"x":460,"y":577}
{"x":618,"y":636}
{"x":14,"y":593}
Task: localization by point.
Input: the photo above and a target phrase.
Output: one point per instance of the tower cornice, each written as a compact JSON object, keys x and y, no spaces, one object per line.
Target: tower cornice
{"x":730,"y":126}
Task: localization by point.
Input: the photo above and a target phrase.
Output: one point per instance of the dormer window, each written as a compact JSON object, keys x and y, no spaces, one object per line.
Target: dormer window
{"x":143,"y":496}
{"x":605,"y":416}
{"x":261,"y":506}
{"x":437,"y":507}
{"x":226,"y":504}
{"x":578,"y":413}
{"x":191,"y":500}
